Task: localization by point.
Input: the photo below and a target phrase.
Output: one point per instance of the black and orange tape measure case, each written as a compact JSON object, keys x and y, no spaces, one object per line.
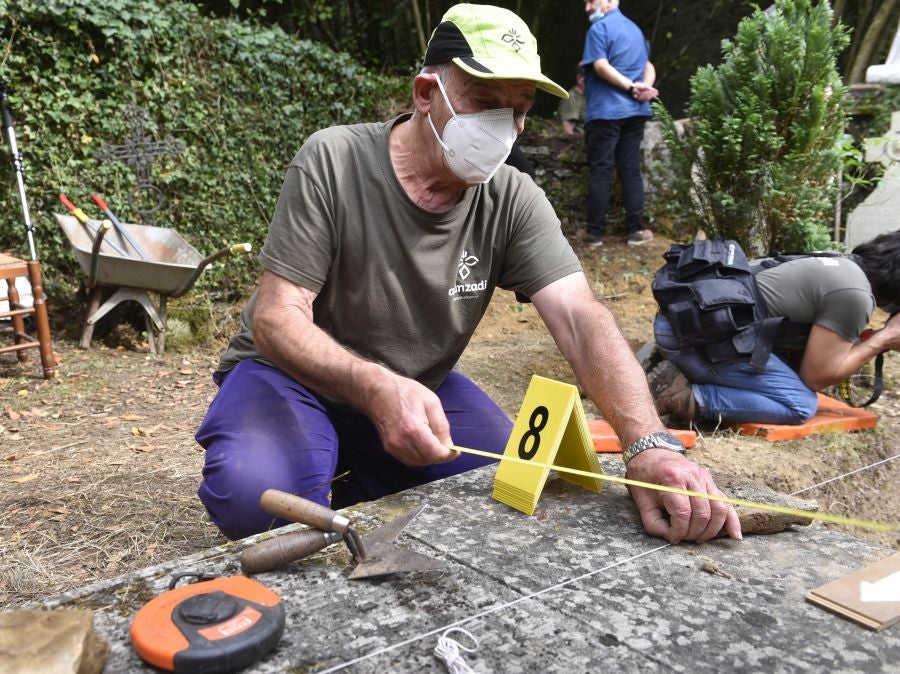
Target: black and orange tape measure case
{"x":217,"y":624}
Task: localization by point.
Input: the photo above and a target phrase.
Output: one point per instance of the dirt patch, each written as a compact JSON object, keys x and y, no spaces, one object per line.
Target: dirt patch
{"x":512,"y":343}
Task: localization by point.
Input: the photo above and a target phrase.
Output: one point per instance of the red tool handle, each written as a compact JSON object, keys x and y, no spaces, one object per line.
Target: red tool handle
{"x":97,"y":199}
{"x":65,"y":201}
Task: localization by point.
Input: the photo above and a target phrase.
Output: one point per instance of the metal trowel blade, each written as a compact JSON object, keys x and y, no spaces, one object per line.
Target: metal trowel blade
{"x":384,"y":558}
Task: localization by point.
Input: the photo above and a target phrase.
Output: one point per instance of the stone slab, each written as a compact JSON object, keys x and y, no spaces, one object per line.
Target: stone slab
{"x":889,"y":71}
{"x":578,"y":587}
{"x":877,"y":214}
{"x":883,"y":74}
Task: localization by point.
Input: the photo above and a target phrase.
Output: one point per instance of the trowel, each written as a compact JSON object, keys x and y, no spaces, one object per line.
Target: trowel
{"x":375,"y":553}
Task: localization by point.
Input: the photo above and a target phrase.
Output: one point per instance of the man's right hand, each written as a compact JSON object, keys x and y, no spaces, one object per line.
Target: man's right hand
{"x":410,"y":420}
{"x":409,"y":417}
{"x":644,"y":92}
{"x":891,"y":333}
{"x":676,"y":517}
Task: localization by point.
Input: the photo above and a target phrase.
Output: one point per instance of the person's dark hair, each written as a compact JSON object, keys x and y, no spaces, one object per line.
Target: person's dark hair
{"x":880,"y":260}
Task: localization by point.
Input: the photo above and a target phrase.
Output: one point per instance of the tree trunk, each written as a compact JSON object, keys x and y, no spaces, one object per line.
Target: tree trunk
{"x":870,"y":41}
{"x":863,"y":13}
{"x":420,"y":32}
{"x":838,"y":9}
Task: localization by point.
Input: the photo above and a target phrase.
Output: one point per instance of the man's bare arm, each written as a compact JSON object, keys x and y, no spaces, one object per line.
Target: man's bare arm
{"x":409,"y":416}
{"x":606,"y":71}
{"x":649,"y":77}
{"x":587,"y":335}
{"x":829,"y":358}
{"x":643,"y":91}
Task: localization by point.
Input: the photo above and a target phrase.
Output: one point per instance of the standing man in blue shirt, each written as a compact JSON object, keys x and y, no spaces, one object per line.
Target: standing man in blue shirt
{"x":618,"y":88}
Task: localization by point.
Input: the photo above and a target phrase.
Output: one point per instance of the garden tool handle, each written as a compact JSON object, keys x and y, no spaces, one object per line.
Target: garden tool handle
{"x":4,"y":102}
{"x":282,"y":550}
{"x":298,"y":509}
{"x":97,"y":199}
{"x":73,"y":209}
{"x":120,"y":228}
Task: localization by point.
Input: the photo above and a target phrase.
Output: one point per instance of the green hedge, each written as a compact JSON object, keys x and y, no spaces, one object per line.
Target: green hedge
{"x":764,"y":146}
{"x":240,"y":97}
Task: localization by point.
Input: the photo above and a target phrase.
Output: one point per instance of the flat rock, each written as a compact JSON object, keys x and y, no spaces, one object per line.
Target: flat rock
{"x":577,"y":587}
{"x":61,"y":641}
{"x":755,"y":521}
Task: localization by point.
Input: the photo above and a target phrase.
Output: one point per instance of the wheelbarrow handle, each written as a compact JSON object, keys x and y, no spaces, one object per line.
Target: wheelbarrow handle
{"x":95,"y":252}
{"x":227,"y":250}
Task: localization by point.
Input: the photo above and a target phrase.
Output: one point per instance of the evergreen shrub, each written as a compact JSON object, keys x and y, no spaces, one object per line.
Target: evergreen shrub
{"x":760,"y":158}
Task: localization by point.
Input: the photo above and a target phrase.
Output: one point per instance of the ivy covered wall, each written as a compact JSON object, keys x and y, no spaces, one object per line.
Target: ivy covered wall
{"x":239,"y":96}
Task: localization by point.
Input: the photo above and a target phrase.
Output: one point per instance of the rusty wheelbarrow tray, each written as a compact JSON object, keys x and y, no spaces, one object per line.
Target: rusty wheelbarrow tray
{"x":172,"y":268}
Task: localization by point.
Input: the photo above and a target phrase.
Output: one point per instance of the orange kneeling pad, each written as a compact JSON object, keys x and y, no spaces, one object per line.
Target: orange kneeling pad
{"x":606,"y":440}
{"x":832,"y":416}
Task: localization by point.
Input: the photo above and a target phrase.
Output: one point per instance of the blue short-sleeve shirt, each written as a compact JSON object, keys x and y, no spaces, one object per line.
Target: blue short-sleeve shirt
{"x":618,"y":39}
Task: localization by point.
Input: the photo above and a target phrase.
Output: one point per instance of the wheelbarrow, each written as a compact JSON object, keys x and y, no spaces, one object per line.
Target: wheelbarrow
{"x":170,"y":269}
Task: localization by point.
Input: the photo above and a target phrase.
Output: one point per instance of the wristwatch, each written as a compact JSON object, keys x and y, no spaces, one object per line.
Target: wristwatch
{"x":661,"y":439}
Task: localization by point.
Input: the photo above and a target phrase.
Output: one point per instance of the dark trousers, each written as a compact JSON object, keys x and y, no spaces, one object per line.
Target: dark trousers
{"x":614,"y":145}
{"x":264,"y":431}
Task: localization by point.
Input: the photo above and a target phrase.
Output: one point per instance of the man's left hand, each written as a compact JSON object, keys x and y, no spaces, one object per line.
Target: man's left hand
{"x":644,"y":92}
{"x":676,"y":517}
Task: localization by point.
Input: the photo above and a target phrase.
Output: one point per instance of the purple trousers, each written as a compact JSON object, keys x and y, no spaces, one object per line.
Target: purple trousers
{"x":266,"y":431}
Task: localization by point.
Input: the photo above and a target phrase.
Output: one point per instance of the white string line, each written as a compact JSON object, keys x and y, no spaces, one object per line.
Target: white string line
{"x":489,"y":611}
{"x":852,"y":472}
{"x":559,"y":585}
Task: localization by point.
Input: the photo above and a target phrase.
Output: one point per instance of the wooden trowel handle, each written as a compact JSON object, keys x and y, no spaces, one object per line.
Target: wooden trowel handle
{"x":282,"y":550}
{"x":296,"y":509}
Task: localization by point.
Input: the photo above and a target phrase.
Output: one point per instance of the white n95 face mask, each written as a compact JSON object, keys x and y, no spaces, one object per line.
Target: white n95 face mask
{"x":476,"y":145}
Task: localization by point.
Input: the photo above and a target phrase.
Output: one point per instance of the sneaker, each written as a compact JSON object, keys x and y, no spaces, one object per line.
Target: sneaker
{"x":639,"y":237}
{"x":588,"y":239}
{"x":672,"y":392}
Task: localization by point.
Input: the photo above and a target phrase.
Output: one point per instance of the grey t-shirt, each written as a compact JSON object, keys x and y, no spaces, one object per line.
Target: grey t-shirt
{"x":398,"y":284}
{"x":829,"y":291}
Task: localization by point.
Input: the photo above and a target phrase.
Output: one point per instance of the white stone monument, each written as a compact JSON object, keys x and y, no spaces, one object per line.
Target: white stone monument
{"x":889,"y":72}
{"x":880,"y":212}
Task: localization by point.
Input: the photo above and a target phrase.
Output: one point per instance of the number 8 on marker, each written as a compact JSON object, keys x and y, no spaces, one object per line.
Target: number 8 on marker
{"x":536,"y":424}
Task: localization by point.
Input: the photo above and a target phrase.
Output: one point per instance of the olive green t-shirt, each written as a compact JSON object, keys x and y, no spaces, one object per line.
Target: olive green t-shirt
{"x":829,"y":291}
{"x":398,"y":284}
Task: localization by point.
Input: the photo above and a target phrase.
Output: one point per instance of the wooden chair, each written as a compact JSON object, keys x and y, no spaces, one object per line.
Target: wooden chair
{"x":12,"y":268}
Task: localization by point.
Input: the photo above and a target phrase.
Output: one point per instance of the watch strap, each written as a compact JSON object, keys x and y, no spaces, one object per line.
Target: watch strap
{"x":660,"y":440}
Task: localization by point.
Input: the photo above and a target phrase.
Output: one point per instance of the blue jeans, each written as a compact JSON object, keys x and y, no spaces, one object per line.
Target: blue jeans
{"x":265,"y":431}
{"x":614,"y":145}
{"x":776,"y":395}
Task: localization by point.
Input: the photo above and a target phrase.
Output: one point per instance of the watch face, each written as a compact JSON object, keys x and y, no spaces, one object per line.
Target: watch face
{"x":668,"y":441}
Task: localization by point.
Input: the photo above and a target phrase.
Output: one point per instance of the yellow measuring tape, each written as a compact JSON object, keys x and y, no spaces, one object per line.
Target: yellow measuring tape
{"x":824,"y":517}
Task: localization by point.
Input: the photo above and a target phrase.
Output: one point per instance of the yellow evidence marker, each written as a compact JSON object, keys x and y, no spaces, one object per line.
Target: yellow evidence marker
{"x":551,"y":428}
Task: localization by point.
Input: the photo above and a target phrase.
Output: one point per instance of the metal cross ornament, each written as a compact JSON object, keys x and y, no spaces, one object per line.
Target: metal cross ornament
{"x":139,"y":151}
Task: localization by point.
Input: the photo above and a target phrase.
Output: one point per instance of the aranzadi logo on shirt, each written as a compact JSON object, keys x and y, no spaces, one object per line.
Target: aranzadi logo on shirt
{"x":466,"y":287}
